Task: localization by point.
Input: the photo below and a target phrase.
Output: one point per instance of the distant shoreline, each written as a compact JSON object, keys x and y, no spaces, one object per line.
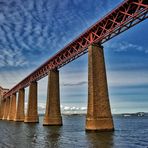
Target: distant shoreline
{"x":139,"y":114}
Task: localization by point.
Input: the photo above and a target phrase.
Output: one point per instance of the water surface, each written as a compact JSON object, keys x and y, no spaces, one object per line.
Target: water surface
{"x":130,"y":132}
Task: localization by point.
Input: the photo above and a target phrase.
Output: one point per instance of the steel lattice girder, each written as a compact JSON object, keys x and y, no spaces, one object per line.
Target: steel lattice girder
{"x":123,"y":17}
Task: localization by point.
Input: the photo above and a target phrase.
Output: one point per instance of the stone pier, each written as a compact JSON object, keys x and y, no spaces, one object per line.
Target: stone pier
{"x":32,"y":111}
{"x":19,"y":115}
{"x":53,"y":113}
{"x":2,"y":105}
{"x":12,"y":108}
{"x":6,"y":108}
{"x":98,"y":112}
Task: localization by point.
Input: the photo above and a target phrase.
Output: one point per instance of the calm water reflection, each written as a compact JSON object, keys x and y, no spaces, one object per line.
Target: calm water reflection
{"x":130,"y":132}
{"x":101,"y":140}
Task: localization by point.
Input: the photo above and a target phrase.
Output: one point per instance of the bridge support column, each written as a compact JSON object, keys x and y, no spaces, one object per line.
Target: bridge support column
{"x":12,"y":108}
{"x":98,"y":112}
{"x":53,"y":113}
{"x":6,"y":108}
{"x":32,"y":112}
{"x":19,"y":115}
{"x":2,"y":105}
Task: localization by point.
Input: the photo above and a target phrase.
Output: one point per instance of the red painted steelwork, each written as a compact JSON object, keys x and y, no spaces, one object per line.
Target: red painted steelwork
{"x":123,"y":17}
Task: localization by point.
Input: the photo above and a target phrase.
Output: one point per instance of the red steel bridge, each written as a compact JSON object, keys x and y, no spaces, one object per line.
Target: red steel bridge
{"x":124,"y":16}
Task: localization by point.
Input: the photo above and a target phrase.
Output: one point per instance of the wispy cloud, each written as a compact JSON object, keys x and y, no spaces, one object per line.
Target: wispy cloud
{"x":126,"y":46}
{"x":75,"y":84}
{"x":14,"y":58}
{"x":32,"y":28}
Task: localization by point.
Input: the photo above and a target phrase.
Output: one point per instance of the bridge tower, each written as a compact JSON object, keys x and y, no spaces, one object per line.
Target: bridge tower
{"x":32,"y":111}
{"x":2,"y":103}
{"x":53,"y":113}
{"x":19,"y":115}
{"x":98,"y":112}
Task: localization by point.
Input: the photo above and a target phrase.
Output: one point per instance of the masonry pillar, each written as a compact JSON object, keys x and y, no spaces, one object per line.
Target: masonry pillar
{"x":1,"y":116}
{"x":2,"y":105}
{"x":98,"y":112}
{"x":32,"y":112}
{"x":12,"y":108}
{"x":53,"y":113}
{"x":6,"y":109}
{"x":19,"y":115}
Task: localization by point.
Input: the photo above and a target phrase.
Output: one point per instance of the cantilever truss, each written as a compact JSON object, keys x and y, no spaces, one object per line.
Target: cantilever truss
{"x":125,"y":16}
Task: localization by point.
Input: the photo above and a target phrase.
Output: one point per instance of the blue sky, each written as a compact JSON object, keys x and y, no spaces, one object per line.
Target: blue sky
{"x":32,"y":31}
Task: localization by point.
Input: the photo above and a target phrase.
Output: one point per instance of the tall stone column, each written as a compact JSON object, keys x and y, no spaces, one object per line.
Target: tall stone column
{"x":53,"y":113}
{"x":2,"y":105}
{"x":19,"y":116}
{"x":1,"y":116}
{"x":32,"y":111}
{"x":12,"y":108}
{"x":98,"y":112}
{"x":6,"y":110}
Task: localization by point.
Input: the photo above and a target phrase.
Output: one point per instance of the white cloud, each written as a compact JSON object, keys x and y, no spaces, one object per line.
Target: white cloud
{"x":37,"y":27}
{"x":64,"y":109}
{"x":125,"y":46}
{"x":73,"y":109}
{"x":14,"y":58}
{"x":2,"y":18}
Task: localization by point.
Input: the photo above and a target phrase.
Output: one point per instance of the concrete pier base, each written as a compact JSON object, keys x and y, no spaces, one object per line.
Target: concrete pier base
{"x":6,"y":108}
{"x":19,"y":115}
{"x":98,"y":112}
{"x":12,"y":108}
{"x":32,"y":112}
{"x":53,"y":113}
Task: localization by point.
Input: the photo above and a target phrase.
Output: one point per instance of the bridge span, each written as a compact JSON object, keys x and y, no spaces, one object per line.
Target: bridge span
{"x":99,"y":117}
